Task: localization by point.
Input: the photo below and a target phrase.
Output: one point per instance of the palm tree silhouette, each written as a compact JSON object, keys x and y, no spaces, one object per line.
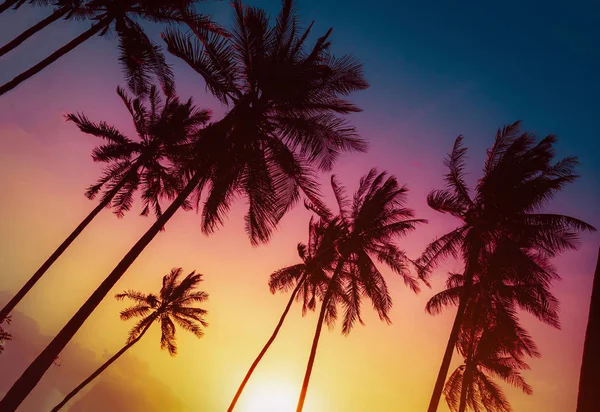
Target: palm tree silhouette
{"x":519,"y":178}
{"x":283,"y":126}
{"x":590,"y":364}
{"x":508,"y":284}
{"x":369,"y":224}
{"x":307,"y":281}
{"x":174,"y":305}
{"x":496,"y":354}
{"x":140,"y":57}
{"x":131,"y":165}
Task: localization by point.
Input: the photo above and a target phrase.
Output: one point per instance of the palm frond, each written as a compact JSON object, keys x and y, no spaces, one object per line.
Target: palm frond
{"x":139,"y":327}
{"x":167,"y":337}
{"x":341,"y":198}
{"x":284,"y":279}
{"x":133,"y":295}
{"x":102,"y":129}
{"x":194,"y":53}
{"x":456,"y":174}
{"x":142,"y":60}
{"x":443,"y":299}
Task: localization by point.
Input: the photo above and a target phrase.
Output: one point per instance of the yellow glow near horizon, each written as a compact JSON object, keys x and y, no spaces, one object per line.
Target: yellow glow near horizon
{"x":270,"y":397}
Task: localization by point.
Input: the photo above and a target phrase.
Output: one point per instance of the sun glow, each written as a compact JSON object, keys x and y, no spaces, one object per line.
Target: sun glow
{"x":270,"y":397}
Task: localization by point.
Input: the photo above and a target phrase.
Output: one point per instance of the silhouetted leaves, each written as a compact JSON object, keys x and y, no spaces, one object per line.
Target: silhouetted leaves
{"x":284,"y":121}
{"x":146,"y":163}
{"x":173,"y":305}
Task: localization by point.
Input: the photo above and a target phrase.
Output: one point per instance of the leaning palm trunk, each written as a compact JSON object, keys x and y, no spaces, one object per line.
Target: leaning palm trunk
{"x":315,"y":344}
{"x":466,"y":383}
{"x":587,"y":400}
{"x":6,"y":5}
{"x":313,"y":353}
{"x":265,"y":348}
{"x":29,"y":379}
{"x":33,"y":30}
{"x":96,"y":28}
{"x":8,"y":308}
{"x":443,"y":373}
{"x":468,"y":374}
{"x":99,"y":370}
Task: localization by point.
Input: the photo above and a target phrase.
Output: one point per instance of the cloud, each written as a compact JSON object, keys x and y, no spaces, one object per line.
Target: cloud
{"x":125,"y":386}
{"x":140,"y":393}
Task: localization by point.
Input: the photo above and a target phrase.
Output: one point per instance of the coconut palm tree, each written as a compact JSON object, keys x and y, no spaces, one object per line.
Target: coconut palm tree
{"x":140,"y":57}
{"x":174,"y":305}
{"x":496,"y":354}
{"x":306,"y":280}
{"x":284,"y":125}
{"x":132,"y":165}
{"x":369,"y":224}
{"x":67,"y":9}
{"x":519,"y":178}
{"x":511,"y":280}
{"x":590,"y":364}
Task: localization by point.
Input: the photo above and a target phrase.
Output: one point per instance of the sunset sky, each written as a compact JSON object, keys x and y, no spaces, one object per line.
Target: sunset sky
{"x":436,"y":71}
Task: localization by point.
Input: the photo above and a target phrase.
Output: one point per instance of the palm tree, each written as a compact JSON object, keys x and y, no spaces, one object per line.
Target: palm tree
{"x":283,"y":126}
{"x":512,"y":279}
{"x":496,"y":354}
{"x":131,"y":165}
{"x":590,"y":365}
{"x":67,"y":9}
{"x":519,"y":178}
{"x":369,"y":224}
{"x":306,"y":280}
{"x":174,"y":305}
{"x":140,"y":57}
{"x":497,"y":295}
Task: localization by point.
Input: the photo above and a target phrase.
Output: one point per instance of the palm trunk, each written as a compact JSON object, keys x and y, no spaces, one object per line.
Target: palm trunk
{"x":100,"y":370}
{"x":57,"y":253}
{"x":96,"y":28}
{"x":587,"y":399}
{"x":468,"y":374}
{"x":315,"y":344}
{"x":29,"y":379}
{"x":265,"y":348}
{"x":33,"y":30}
{"x":6,"y":5}
{"x":443,"y":372}
{"x":466,"y":381}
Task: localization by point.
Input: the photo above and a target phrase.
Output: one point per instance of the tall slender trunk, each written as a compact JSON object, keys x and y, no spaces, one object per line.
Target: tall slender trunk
{"x":443,"y":372}
{"x":315,"y":344}
{"x":6,"y":5}
{"x":100,"y":370}
{"x":468,"y":374}
{"x":466,"y":381}
{"x":58,"y":252}
{"x":29,"y":379}
{"x":587,"y":399}
{"x":266,"y":347}
{"x":96,"y":28}
{"x":60,"y":12}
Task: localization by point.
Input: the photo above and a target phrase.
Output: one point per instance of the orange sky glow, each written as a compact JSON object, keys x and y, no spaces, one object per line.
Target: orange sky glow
{"x":45,"y":167}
